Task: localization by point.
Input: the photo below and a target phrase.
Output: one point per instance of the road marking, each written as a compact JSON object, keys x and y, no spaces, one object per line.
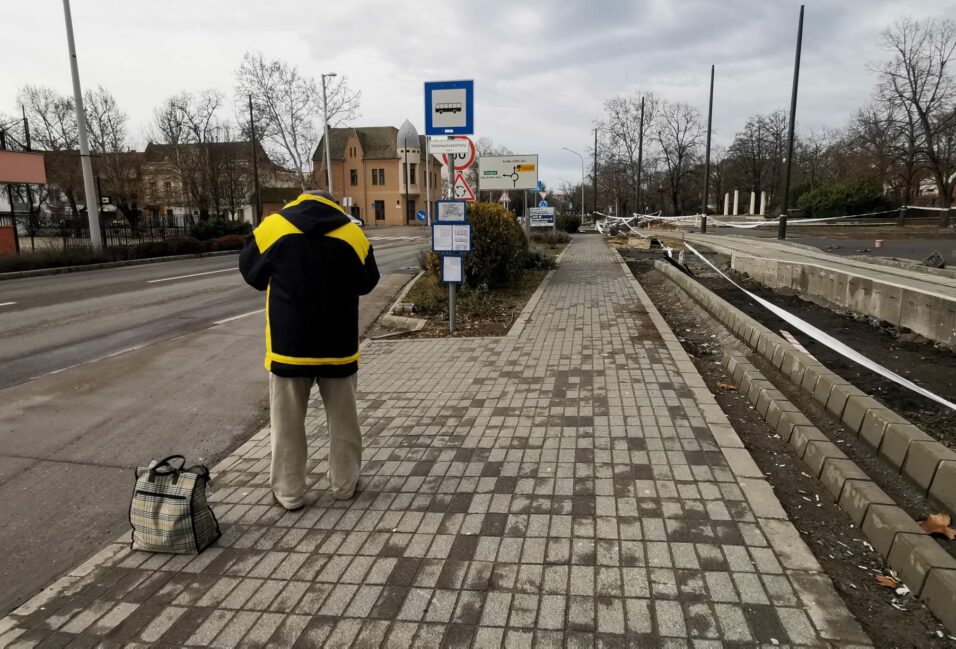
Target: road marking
{"x":95,"y":360}
{"x":236,"y":317}
{"x":211,"y":272}
{"x":6,"y":303}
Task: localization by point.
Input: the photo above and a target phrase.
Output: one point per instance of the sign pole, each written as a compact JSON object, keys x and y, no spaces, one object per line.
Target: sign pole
{"x":452,"y":287}
{"x":428,"y":182}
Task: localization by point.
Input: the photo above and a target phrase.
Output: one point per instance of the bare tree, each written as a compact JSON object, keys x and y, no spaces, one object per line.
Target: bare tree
{"x":287,"y":108}
{"x":115,"y":164}
{"x":756,"y":156}
{"x":53,"y":129}
{"x":882,"y":144}
{"x":625,"y":128}
{"x":678,"y":132}
{"x":190,"y":124}
{"x":918,"y":77}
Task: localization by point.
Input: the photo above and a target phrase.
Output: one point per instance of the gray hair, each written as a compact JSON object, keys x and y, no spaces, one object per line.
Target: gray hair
{"x":321,"y":192}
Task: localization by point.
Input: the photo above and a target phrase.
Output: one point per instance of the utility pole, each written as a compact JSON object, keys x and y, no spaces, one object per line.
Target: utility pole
{"x":640,"y":159}
{"x":782,"y":227}
{"x":89,"y":191}
{"x":257,"y":217}
{"x":710,"y":117}
{"x":328,"y":144}
{"x":30,"y":220}
{"x":595,"y":175}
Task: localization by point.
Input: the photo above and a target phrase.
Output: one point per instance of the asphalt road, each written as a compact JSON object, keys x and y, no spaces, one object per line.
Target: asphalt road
{"x":102,"y":370}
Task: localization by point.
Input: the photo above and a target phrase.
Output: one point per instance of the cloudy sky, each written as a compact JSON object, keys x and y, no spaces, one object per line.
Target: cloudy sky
{"x":542,"y":69}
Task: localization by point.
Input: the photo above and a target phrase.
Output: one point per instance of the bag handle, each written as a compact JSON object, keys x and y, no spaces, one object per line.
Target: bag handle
{"x":170,"y":469}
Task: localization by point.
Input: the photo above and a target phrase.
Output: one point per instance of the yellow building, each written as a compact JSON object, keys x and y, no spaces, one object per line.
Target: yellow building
{"x":369,"y":170}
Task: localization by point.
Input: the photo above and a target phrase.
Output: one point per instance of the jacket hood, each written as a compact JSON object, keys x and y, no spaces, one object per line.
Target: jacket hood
{"x":314,"y":214}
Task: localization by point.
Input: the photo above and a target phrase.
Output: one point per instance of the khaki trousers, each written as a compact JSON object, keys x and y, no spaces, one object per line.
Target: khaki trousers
{"x":289,"y":402}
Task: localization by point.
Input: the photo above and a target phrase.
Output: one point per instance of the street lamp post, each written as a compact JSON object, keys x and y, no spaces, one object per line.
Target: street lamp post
{"x":325,"y":108}
{"x":582,"y":179}
{"x":89,"y":190}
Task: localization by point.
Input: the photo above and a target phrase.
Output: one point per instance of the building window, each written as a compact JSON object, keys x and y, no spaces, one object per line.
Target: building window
{"x":167,"y":186}
{"x":411,"y":174}
{"x":353,"y":177}
{"x":378,"y":176}
{"x":379,"y":209}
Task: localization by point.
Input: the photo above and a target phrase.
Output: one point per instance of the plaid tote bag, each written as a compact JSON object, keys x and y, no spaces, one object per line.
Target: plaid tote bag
{"x":169,"y":512}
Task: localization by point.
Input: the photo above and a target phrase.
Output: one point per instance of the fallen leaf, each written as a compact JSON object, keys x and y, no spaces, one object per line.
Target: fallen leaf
{"x":886,"y":582}
{"x":727,"y":386}
{"x":939,"y":524}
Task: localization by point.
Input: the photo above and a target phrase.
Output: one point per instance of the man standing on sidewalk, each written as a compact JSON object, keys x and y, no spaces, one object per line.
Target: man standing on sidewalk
{"x":313,"y":263}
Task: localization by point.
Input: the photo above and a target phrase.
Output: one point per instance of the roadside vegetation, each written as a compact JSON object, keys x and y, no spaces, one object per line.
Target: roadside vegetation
{"x":501,"y":273}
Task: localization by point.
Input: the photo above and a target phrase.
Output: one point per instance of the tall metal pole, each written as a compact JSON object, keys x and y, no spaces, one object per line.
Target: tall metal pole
{"x":257,"y":217}
{"x":710,"y":121}
{"x":328,"y":143}
{"x":30,"y":220}
{"x":406,"y":180}
{"x":640,"y":159}
{"x":782,"y":227}
{"x":89,"y":191}
{"x":452,"y":287}
{"x":595,"y":175}
{"x":428,"y":182}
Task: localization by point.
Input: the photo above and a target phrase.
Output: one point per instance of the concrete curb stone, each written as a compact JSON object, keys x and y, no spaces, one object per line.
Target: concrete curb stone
{"x":939,"y":593}
{"x":859,"y":495}
{"x":914,"y":555}
{"x":943,"y":488}
{"x":837,"y":472}
{"x":897,"y":439}
{"x":925,"y":567}
{"x":923,"y":460}
{"x":883,"y":522}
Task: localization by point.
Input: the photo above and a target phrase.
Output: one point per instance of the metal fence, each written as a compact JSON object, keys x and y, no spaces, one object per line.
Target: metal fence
{"x":75,"y":232}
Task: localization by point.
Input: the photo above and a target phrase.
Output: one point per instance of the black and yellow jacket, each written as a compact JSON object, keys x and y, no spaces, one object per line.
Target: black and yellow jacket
{"x":313,"y":263}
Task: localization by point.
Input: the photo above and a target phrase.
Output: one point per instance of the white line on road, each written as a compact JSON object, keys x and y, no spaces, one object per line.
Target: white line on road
{"x":211,"y":272}
{"x":6,"y":303}
{"x":90,"y":362}
{"x":236,"y":317}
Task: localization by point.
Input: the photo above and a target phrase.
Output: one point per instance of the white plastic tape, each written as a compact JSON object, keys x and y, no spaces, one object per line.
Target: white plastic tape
{"x":828,"y":340}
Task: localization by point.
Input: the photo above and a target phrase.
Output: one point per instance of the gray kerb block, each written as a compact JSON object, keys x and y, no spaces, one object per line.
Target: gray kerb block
{"x":939,"y":595}
{"x":943,"y":489}
{"x":922,"y":461}
{"x":803,"y":435}
{"x":857,"y":497}
{"x":897,"y":439}
{"x":819,"y":452}
{"x":883,"y":523}
{"x":839,"y":396}
{"x":856,"y":408}
{"x":874,"y":425}
{"x":914,"y":555}
{"x":837,"y":472}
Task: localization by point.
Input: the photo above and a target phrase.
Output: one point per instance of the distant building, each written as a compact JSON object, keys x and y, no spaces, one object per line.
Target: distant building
{"x":182,"y":183}
{"x":369,"y":169}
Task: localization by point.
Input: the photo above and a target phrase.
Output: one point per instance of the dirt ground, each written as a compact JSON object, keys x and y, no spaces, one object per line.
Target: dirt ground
{"x":917,"y":359}
{"x":891,"y":620}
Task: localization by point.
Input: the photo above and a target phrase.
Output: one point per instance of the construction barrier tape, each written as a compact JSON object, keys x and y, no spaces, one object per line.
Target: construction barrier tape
{"x":828,"y":340}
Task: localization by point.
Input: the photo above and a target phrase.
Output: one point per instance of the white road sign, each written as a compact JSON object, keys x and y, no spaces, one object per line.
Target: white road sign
{"x":454,"y":147}
{"x":508,"y":172}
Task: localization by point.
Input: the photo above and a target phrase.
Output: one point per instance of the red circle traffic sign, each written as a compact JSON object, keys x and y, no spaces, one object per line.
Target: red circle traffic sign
{"x":463,"y":162}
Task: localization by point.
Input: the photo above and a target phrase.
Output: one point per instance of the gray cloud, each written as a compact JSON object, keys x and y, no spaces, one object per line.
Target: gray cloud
{"x":542,"y":69}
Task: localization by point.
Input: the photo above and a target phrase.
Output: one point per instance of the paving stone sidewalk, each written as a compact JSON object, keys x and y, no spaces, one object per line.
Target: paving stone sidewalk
{"x":572,"y":484}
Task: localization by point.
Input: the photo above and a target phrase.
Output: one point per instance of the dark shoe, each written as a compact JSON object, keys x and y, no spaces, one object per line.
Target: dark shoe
{"x":288,"y":509}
